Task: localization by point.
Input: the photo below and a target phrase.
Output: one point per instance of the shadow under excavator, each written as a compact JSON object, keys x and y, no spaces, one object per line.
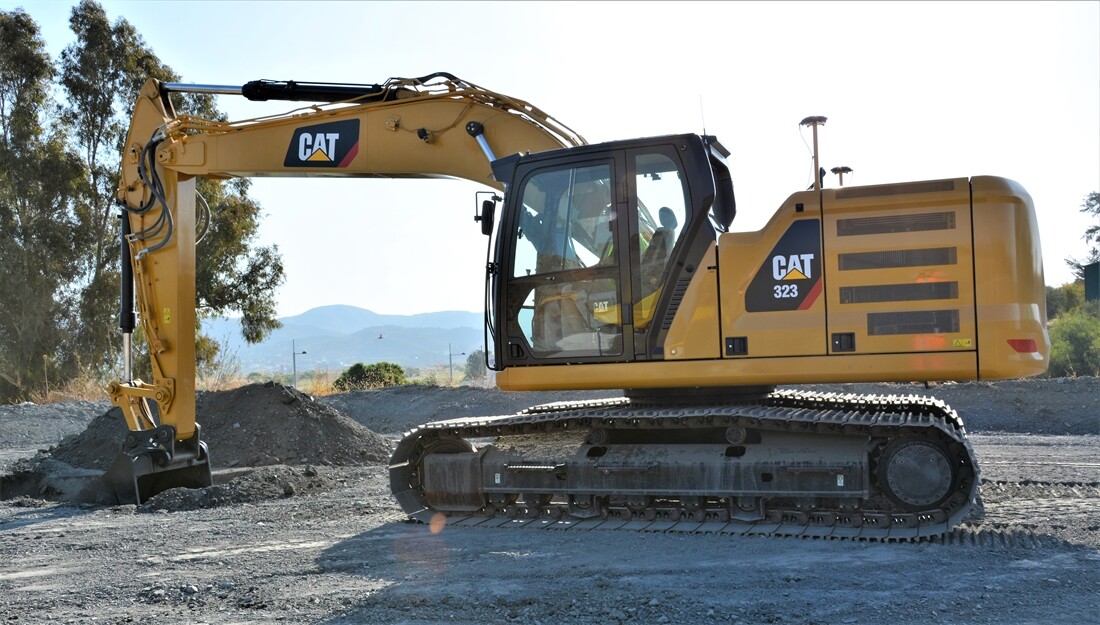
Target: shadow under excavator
{"x":415,"y":566}
{"x":415,"y":573}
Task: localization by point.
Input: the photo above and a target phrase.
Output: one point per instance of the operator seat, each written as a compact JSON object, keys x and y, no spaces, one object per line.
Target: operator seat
{"x":660,"y":247}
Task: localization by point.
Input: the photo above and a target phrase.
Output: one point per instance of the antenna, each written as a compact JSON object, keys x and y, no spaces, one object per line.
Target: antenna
{"x":815,"y":122}
{"x":702,"y":117}
{"x":840,"y":171}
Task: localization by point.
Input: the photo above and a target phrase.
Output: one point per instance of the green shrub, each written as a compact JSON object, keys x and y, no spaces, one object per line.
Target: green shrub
{"x":378,"y":375}
{"x":1064,"y":299}
{"x":1075,"y":342}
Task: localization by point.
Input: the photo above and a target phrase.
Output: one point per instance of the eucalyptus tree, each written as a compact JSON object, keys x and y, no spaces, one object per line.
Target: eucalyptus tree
{"x":39,"y":186}
{"x":101,"y":74}
{"x":1091,"y":206}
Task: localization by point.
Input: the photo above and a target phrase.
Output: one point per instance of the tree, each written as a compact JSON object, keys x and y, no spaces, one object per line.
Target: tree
{"x":101,"y":74}
{"x":475,"y":366}
{"x":58,"y":220}
{"x":1090,"y":206}
{"x":378,"y":375}
{"x":39,"y":182}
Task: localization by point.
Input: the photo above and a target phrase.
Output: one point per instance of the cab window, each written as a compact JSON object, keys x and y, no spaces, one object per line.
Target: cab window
{"x":564,"y":288}
{"x":661,"y":215}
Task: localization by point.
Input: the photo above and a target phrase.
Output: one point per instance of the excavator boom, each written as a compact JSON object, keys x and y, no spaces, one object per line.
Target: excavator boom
{"x":434,"y":126}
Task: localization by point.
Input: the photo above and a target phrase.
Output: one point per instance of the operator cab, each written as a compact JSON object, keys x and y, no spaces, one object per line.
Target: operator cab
{"x":590,"y":240}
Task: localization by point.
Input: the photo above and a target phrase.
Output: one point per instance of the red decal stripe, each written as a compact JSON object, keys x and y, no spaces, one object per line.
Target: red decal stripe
{"x":351,"y":154}
{"x":812,"y":296}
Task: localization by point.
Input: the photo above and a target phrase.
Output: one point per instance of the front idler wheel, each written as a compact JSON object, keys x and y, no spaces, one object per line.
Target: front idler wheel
{"x":917,"y":474}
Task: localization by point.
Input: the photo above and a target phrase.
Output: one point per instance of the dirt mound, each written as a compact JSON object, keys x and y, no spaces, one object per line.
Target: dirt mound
{"x":252,"y":426}
{"x":95,"y":447}
{"x":259,"y":425}
{"x":266,"y":424}
{"x":263,"y":484}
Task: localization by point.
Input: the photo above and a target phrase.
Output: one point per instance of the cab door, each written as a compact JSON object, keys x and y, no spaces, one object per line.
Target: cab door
{"x":565,"y":265}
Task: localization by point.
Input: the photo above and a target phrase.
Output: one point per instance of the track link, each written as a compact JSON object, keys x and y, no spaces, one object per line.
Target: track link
{"x":877,"y":418}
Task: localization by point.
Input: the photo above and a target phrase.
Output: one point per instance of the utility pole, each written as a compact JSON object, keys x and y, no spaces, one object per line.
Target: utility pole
{"x":294,"y":353}
{"x":451,"y":362}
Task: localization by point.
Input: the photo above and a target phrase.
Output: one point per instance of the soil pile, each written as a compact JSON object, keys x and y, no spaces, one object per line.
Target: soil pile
{"x":252,"y":426}
{"x":260,"y":425}
{"x":263,"y":484}
{"x":95,"y":447}
{"x":266,"y":424}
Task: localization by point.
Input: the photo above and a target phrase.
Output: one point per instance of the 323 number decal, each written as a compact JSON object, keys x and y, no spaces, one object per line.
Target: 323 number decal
{"x":785,"y":290}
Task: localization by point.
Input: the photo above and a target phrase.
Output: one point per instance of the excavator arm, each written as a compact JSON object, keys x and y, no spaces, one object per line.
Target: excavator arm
{"x":437,"y":126}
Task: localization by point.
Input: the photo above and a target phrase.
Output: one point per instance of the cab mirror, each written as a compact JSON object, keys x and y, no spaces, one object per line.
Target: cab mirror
{"x":488,"y":213}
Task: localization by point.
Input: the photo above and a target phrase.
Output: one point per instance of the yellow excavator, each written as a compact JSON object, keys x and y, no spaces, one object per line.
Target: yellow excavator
{"x":611,"y":266}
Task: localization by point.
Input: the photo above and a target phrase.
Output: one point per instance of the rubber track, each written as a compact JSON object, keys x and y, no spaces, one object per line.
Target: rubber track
{"x":878,"y":416}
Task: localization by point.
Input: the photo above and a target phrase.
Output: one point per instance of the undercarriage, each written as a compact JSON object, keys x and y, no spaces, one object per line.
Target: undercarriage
{"x":784,"y":463}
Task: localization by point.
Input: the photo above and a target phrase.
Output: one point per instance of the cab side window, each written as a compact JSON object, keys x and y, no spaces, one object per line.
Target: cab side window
{"x":661,"y":215}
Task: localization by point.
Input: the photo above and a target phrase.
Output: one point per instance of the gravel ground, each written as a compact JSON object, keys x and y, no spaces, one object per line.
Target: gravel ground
{"x":313,"y":538}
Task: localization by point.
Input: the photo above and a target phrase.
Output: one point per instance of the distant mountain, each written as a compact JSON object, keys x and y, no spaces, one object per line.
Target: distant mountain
{"x":336,"y":337}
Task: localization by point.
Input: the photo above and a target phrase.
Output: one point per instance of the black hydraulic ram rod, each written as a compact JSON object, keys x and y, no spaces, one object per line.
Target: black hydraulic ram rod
{"x":295,"y":91}
{"x":263,"y":90}
{"x":126,"y":318}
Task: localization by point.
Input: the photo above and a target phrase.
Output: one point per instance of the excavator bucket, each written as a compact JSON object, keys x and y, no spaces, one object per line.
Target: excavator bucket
{"x":152,"y":463}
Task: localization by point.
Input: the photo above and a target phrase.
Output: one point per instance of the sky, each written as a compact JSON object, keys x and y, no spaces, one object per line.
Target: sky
{"x":912,"y":91}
